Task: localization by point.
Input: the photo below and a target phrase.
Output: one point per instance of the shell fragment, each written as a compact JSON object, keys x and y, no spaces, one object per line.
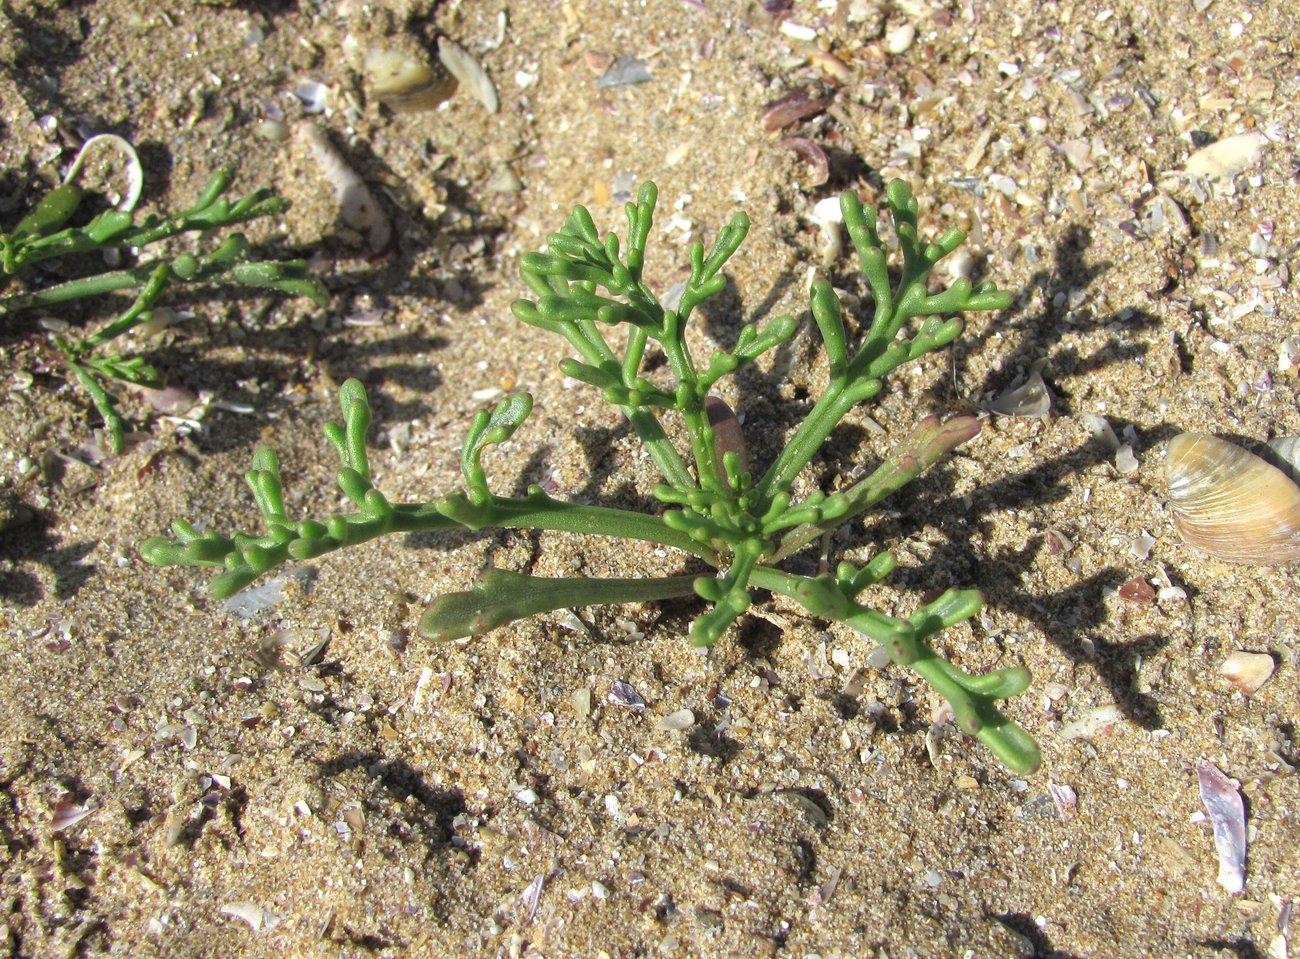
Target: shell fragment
{"x":1228,"y":817}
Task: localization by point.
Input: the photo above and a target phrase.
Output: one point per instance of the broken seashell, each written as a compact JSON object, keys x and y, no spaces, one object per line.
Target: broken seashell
{"x":67,"y":813}
{"x":257,"y":917}
{"x":1224,"y":159}
{"x":792,"y":108}
{"x":1231,"y":504}
{"x":469,"y":72}
{"x":828,"y":215}
{"x":358,"y":208}
{"x":819,"y":165}
{"x":313,"y":95}
{"x":1031,"y":398}
{"x":1247,"y":671}
{"x":1227,"y":813}
{"x":131,"y":161}
{"x":405,"y":83}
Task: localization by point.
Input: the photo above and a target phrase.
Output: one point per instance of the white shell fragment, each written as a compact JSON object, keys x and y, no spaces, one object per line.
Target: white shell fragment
{"x":1224,"y":159}
{"x":67,"y":814}
{"x":1098,"y":721}
{"x":1288,"y":354}
{"x":133,"y":170}
{"x":827,"y":215}
{"x":1142,"y":543}
{"x":531,"y":895}
{"x":1030,"y":399}
{"x":1101,"y":430}
{"x":1231,"y":504}
{"x":1247,"y":671}
{"x":900,"y":40}
{"x":469,"y":72}
{"x":1065,"y":799}
{"x":1228,"y":817}
{"x":313,"y":95}
{"x":358,"y":208}
{"x":257,"y":917}
{"x":1125,"y":460}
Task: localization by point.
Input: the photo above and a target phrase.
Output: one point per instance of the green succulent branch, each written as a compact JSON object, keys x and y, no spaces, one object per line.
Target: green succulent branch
{"x":591,"y":292}
{"x":973,"y":698}
{"x":43,"y":234}
{"x":885,"y":346}
{"x":245,"y":556}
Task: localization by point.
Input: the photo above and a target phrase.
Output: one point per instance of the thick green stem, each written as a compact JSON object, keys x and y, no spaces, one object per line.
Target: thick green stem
{"x":113,"y":422}
{"x":931,"y":442}
{"x":659,"y":446}
{"x":826,"y":414}
{"x":978,"y":715}
{"x":153,"y":288}
{"x":973,"y":698}
{"x":503,"y":597}
{"x":539,"y":511}
{"x":75,"y":289}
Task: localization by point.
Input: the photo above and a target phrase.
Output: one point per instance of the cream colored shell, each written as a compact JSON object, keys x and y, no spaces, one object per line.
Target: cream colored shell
{"x":406,"y":83}
{"x":1231,"y":504}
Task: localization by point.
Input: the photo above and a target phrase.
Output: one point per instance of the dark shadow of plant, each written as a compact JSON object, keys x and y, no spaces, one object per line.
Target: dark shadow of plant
{"x":35,"y":542}
{"x":428,"y":811}
{"x":1024,"y":926}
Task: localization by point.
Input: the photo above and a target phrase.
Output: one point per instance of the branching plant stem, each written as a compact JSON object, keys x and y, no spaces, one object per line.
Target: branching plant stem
{"x":737,"y":528}
{"x":43,"y":234}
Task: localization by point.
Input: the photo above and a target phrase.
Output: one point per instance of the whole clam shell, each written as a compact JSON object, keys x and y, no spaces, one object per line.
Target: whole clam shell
{"x":1231,"y":504}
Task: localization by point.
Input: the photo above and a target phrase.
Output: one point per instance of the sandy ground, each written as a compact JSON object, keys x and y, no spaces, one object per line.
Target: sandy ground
{"x":396,"y":797}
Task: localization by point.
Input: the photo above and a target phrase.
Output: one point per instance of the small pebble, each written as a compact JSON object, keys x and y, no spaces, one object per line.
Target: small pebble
{"x":900,"y":41}
{"x":313,"y":95}
{"x":1247,"y":671}
{"x":681,"y":719}
{"x":624,"y":72}
{"x":276,"y":131}
{"x":503,"y":180}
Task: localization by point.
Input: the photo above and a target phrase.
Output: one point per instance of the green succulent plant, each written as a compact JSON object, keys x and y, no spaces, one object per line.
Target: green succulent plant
{"x":741,"y":525}
{"x":44,"y":234}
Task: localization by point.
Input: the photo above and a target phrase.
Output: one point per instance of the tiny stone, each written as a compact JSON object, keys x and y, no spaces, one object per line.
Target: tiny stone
{"x":581,"y":702}
{"x":1247,"y":671}
{"x":273,"y":130}
{"x":681,"y":719}
{"x":900,"y":40}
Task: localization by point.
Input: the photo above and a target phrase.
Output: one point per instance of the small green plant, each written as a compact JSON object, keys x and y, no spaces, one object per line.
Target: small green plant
{"x":44,"y":234}
{"x":740,"y":524}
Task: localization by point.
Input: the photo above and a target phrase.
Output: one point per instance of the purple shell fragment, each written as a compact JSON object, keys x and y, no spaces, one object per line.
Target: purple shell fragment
{"x":792,"y":108}
{"x":622,"y":694}
{"x":1228,"y":816}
